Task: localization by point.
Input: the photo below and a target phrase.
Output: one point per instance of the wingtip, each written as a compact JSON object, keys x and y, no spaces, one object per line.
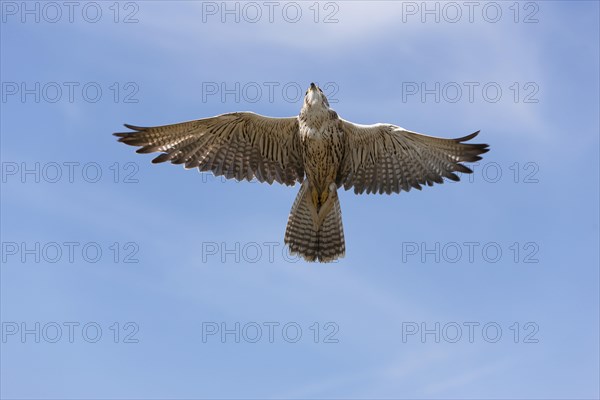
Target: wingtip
{"x":128,"y":126}
{"x":468,"y":137}
{"x":453,"y":177}
{"x":135,"y":127}
{"x":162,"y":158}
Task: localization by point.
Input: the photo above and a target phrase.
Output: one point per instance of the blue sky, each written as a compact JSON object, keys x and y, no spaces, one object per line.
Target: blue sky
{"x":160,"y":260}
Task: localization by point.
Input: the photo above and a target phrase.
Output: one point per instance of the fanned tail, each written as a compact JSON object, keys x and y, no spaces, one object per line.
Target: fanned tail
{"x":324,"y":243}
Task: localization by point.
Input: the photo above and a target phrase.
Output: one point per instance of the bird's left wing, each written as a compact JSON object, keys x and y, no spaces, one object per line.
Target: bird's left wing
{"x":384,"y":158}
{"x":239,"y":145}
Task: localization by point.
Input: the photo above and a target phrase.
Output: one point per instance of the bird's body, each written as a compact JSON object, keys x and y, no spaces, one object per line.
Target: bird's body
{"x":322,"y":147}
{"x":318,"y":149}
{"x":320,"y":234}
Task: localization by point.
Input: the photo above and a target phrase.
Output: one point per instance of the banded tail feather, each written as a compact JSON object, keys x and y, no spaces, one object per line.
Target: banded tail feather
{"x":323,"y":243}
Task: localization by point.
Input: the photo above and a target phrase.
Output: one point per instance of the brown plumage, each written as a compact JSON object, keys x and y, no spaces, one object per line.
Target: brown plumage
{"x":317,"y":145}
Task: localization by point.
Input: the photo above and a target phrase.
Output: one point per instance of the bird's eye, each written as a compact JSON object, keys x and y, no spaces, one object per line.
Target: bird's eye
{"x":320,"y":90}
{"x":306,"y":93}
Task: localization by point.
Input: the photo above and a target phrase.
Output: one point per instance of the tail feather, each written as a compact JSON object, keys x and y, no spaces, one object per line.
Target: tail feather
{"x":325,"y":243}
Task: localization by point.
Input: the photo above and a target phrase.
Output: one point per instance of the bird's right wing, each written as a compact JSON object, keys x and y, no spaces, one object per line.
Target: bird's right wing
{"x":239,"y":145}
{"x":385,"y":158}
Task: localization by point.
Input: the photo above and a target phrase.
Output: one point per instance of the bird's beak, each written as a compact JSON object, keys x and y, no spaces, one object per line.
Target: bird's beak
{"x":313,"y":96}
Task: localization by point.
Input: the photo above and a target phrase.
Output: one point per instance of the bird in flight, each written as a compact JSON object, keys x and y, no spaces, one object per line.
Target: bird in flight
{"x":318,"y":149}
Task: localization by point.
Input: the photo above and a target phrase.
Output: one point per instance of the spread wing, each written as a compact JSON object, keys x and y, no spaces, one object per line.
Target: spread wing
{"x":385,"y":158}
{"x":240,"y":145}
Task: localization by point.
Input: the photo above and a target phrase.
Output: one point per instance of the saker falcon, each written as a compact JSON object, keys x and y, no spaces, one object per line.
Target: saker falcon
{"x":318,"y":149}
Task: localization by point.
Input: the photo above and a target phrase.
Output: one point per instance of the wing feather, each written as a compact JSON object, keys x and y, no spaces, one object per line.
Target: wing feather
{"x":385,"y":158}
{"x":239,"y":145}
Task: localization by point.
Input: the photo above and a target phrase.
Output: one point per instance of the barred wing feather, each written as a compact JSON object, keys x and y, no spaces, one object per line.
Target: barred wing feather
{"x":240,"y":145}
{"x":385,"y":158}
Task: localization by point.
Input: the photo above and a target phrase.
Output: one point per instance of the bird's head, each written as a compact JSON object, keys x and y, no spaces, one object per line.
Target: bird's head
{"x":315,"y":97}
